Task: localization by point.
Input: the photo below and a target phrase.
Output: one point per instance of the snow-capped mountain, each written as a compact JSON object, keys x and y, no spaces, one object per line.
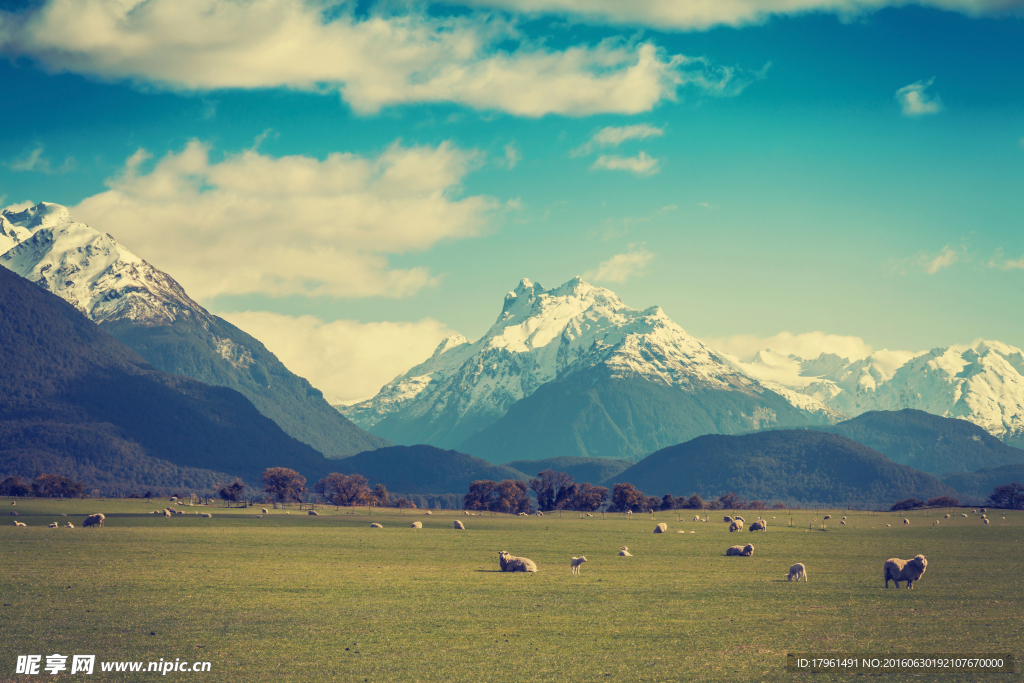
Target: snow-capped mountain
{"x":982,"y":382}
{"x":544,"y":336}
{"x":149,"y":311}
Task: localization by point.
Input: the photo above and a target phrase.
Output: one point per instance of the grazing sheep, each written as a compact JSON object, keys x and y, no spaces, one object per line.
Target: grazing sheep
{"x":984,"y":509}
{"x":265,"y":511}
{"x":963,"y":514}
{"x":14,"y":502}
{"x":888,"y":525}
{"x":459,"y":525}
{"x":844,"y":516}
{"x":207,"y":514}
{"x":696,"y":518}
{"x":465,"y":512}
{"x":738,"y":519}
{"x":986,"y":521}
{"x":629,"y":513}
{"x":625,"y":552}
{"x":95,"y":520}
{"x":744,"y":550}
{"x":797,"y":571}
{"x":416,"y":525}
{"x":53,"y":525}
{"x":759,"y":526}
{"x":661,"y":528}
{"x":947,"y":517}
{"x":539,"y":513}
{"x":843,"y":522}
{"x":17,"y":523}
{"x":827,"y":517}
{"x":167,"y":513}
{"x":314,"y":513}
{"x":898,"y":570}
{"x":69,"y":525}
{"x":737,"y":525}
{"x":259,"y":516}
{"x":173,"y":498}
{"x":727,"y":519}
{"x":511,"y":563}
{"x":906,"y":522}
{"x":374,"y":525}
{"x":575,"y":564}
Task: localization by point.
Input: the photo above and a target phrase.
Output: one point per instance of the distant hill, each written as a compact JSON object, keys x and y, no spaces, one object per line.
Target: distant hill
{"x":928,"y":442}
{"x":801,"y":468}
{"x":77,"y":402}
{"x":589,"y":470}
{"x":423,"y":469}
{"x":980,"y":484}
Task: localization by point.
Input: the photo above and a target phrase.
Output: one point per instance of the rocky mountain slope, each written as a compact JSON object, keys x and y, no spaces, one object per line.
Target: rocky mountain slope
{"x":149,"y":311}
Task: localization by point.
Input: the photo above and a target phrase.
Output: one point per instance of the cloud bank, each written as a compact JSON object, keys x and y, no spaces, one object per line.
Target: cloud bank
{"x":916,"y":102}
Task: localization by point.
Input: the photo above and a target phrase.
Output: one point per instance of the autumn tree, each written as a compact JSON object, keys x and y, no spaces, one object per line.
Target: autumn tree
{"x":1009,"y":496}
{"x":731,"y":501}
{"x":581,"y":497}
{"x":344,"y":489}
{"x":380,"y":496}
{"x":513,"y":496}
{"x":284,"y":484}
{"x":625,"y":497}
{"x":14,"y":486}
{"x":547,"y":485}
{"x":480,"y":495}
{"x":779,"y":506}
{"x":694,"y":502}
{"x":906,"y":504}
{"x":55,"y":485}
{"x":757,"y":505}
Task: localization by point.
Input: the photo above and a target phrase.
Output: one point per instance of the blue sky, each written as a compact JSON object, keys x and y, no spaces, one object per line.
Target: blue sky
{"x":352,"y":183}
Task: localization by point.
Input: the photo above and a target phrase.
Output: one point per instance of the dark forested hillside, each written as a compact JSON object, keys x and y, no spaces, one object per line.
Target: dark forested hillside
{"x":71,"y":393}
{"x":797,"y":467}
{"x":979,"y":484}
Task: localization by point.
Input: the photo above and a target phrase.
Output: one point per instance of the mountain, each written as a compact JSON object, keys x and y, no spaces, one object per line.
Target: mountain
{"x":582,"y":470}
{"x":147,"y":310}
{"x":77,"y":402}
{"x":982,"y":383}
{"x":928,"y":442}
{"x":980,"y":484}
{"x":802,"y":468}
{"x":623,"y":381}
{"x":423,"y":469}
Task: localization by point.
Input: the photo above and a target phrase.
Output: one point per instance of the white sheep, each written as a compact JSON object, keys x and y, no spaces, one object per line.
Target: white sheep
{"x":54,"y":525}
{"x":629,"y":514}
{"x":69,"y":525}
{"x":167,"y":513}
{"x":844,"y":516}
{"x":889,"y":525}
{"x":661,"y":528}
{"x":511,"y":563}
{"x":759,"y":525}
{"x":374,"y":525}
{"x":737,"y":525}
{"x":984,"y":509}
{"x":946,"y":517}
{"x":428,"y":512}
{"x":523,"y":514}
{"x":898,"y":570}
{"x":459,"y":525}
{"x":737,"y":518}
{"x":207,"y":514}
{"x":95,"y":520}
{"x":539,"y":513}
{"x":17,"y":523}
{"x":314,"y":513}
{"x":906,"y":522}
{"x":986,"y":521}
{"x":963,"y":514}
{"x":797,"y":571}
{"x":575,"y":564}
{"x":727,"y":519}
{"x":265,"y":511}
{"x":842,"y":522}
{"x":744,"y":550}
{"x":625,"y":552}
{"x":827,"y":517}
{"x":416,"y":525}
{"x":696,"y":518}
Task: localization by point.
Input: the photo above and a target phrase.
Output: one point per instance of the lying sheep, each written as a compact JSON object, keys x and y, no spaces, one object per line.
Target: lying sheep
{"x":737,"y":525}
{"x":416,"y":525}
{"x":696,"y":518}
{"x":69,"y":525}
{"x":207,"y":514}
{"x":744,"y":550}
{"x":984,"y":509}
{"x":889,"y":525}
{"x":511,"y":563}
{"x":523,"y":514}
{"x":759,"y":526}
{"x":313,"y":513}
{"x":661,"y":528}
{"x":17,"y":523}
{"x":625,"y":552}
{"x":428,"y":512}
{"x":947,"y":517}
{"x":827,"y":517}
{"x":374,"y":525}
{"x":459,"y":525}
{"x":54,"y":525}
{"x":963,"y":514}
{"x":797,"y":571}
{"x":575,"y":563}
{"x":95,"y":520}
{"x":910,"y":571}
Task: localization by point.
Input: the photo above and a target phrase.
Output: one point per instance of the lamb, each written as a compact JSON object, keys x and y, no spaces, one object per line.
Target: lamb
{"x":759,"y":526}
{"x":744,"y":550}
{"x":459,"y":525}
{"x":575,"y":564}
{"x":736,"y":526}
{"x":70,"y":525}
{"x":511,"y":563}
{"x":906,"y":522}
{"x":904,"y":570}
{"x":661,"y":528}
{"x":207,"y":514}
{"x":95,"y":520}
{"x":314,"y":513}
{"x":963,"y":514}
{"x":17,"y":523}
{"x":416,"y":525}
{"x":264,"y":511}
{"x":797,"y":571}
{"x":696,"y":518}
{"x":374,"y":525}
{"x":54,"y":525}
{"x":625,"y":552}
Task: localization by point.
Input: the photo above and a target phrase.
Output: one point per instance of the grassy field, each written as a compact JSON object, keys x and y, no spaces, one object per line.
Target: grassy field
{"x":291,"y":597}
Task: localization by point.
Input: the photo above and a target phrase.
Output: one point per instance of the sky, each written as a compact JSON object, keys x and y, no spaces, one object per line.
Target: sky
{"x":352,"y":182}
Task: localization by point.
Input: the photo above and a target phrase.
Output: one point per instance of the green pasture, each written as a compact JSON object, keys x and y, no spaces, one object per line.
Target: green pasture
{"x":291,"y":597}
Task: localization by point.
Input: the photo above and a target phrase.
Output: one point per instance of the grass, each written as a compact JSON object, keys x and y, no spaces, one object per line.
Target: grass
{"x":300,"y":598}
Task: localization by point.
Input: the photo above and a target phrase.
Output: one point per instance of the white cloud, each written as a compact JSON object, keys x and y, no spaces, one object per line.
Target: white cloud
{"x":372,"y":61}
{"x":685,"y":14}
{"x":916,"y":102}
{"x":293,"y":224}
{"x":34,"y":161}
{"x":807,"y":345}
{"x":621,"y":267}
{"x":613,"y":136}
{"x":933,"y":263}
{"x":641,"y":164}
{"x":345,"y":359}
{"x":15,"y":208}
{"x":1001,"y":263}
{"x":512,"y":155}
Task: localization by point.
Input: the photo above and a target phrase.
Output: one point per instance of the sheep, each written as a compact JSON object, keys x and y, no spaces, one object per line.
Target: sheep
{"x":889,"y":525}
{"x":459,"y":525}
{"x":727,"y":519}
{"x":842,"y":522}
{"x":69,"y":525}
{"x":963,"y":514}
{"x":737,"y":525}
{"x":629,"y":514}
{"x":844,"y":516}
{"x":759,"y":525}
{"x":167,"y":513}
{"x":53,"y":525}
{"x":416,"y":525}
{"x":63,"y":514}
{"x":589,"y":515}
{"x":313,"y":513}
{"x":898,"y":570}
{"x":264,"y":511}
{"x":539,"y":513}
{"x":797,"y":571}
{"x":17,"y":523}
{"x":737,"y":518}
{"x":906,"y":522}
{"x":984,"y":509}
{"x":696,"y":518}
{"x":986,"y":521}
{"x":465,"y":512}
{"x":523,"y":514}
{"x":575,"y":564}
{"x":827,"y":517}
{"x":625,"y":552}
{"x":946,"y":517}
{"x":14,"y":514}
{"x":374,"y":525}
{"x":744,"y":550}
{"x":95,"y":520}
{"x":14,"y":502}
{"x":259,"y":516}
{"x":428,"y":512}
{"x":207,"y":514}
{"x":661,"y":528}
{"x":511,"y":563}
{"x":173,"y":498}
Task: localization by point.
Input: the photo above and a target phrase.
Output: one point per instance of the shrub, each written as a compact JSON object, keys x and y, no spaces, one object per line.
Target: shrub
{"x":906,"y":504}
